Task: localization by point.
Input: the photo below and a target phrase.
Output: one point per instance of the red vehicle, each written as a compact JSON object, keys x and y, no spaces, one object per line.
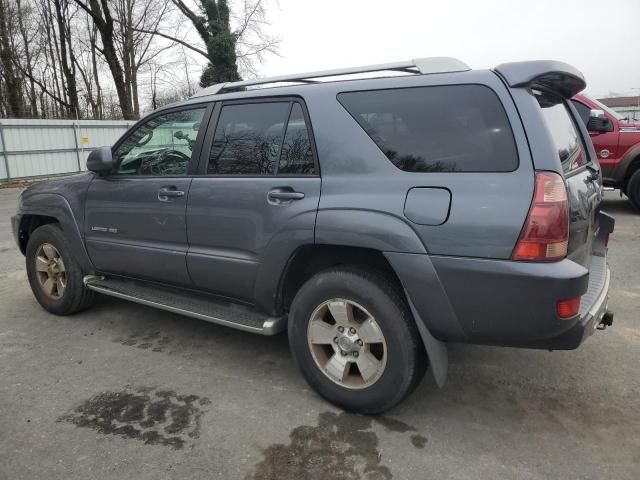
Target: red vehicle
{"x":617,"y":144}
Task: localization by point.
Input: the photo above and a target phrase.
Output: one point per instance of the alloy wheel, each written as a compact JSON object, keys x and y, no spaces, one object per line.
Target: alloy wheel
{"x":50,"y":271}
{"x":347,"y":343}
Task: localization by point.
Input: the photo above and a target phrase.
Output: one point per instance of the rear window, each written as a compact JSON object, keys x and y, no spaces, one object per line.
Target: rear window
{"x":453,"y":128}
{"x":563,"y":130}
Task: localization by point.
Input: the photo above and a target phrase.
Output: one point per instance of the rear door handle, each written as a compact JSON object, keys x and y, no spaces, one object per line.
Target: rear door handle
{"x":281,"y":195}
{"x":169,"y":192}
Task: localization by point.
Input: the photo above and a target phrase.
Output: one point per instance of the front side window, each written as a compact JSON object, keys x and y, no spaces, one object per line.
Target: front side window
{"x":453,"y":128}
{"x":248,"y":138}
{"x":563,"y":131}
{"x":162,"y":146}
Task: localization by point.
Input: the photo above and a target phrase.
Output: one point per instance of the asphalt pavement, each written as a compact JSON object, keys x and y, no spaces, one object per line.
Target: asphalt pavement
{"x":124,"y":391}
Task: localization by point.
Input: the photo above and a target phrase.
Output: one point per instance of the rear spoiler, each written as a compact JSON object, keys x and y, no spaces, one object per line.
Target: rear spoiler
{"x":550,"y":74}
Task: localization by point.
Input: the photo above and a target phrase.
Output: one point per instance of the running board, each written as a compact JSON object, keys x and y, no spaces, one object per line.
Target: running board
{"x":188,"y":303}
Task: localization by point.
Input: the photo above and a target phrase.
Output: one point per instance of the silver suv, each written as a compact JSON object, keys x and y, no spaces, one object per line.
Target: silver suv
{"x":375,"y":219}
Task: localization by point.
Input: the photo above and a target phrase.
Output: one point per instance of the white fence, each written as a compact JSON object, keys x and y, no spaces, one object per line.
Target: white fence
{"x":42,"y":148}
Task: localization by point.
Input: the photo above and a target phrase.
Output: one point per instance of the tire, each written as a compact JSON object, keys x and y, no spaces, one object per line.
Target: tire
{"x":633,"y":189}
{"x":68,"y":294}
{"x":399,"y":360}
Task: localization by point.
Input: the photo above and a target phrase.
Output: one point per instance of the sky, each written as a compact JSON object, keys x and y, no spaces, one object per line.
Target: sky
{"x":600,"y":38}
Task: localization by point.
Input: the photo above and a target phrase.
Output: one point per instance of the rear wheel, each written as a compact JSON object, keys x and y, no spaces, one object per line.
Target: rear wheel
{"x":633,"y":189}
{"x":355,"y":341}
{"x":54,"y":275}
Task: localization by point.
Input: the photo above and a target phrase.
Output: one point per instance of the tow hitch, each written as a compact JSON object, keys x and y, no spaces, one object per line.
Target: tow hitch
{"x":607,"y":320}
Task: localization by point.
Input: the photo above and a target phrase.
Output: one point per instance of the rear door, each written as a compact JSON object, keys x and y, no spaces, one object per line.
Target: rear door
{"x":581,"y":175}
{"x":255,"y":198}
{"x":135,"y":216}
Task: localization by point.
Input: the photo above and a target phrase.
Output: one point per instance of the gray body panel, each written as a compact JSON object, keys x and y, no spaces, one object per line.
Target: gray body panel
{"x":235,"y":232}
{"x":357,"y":176}
{"x":144,"y":237}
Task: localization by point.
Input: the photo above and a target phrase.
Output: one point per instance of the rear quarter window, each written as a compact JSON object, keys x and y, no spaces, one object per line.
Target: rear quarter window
{"x":562,"y":128}
{"x":453,"y":128}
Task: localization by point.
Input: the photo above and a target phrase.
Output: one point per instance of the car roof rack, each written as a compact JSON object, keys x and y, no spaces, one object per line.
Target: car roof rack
{"x":417,"y":66}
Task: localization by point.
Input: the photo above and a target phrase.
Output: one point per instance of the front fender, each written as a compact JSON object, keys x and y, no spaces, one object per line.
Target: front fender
{"x":56,"y":206}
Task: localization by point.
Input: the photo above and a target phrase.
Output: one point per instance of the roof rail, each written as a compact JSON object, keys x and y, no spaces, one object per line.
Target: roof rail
{"x":417,"y":66}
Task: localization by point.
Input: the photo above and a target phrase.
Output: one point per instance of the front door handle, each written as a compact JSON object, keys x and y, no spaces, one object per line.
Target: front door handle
{"x":169,"y":192}
{"x":283,"y":195}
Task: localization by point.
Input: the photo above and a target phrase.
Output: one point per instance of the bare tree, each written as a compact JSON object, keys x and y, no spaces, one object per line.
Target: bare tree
{"x":136,"y":47}
{"x":26,"y":42}
{"x":11,"y":76}
{"x":232,"y":41}
{"x":100,"y":12}
{"x":67,"y":57}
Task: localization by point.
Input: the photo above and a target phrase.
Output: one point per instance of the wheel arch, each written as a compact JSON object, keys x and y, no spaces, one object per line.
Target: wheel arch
{"x":308,"y":260}
{"x":46,"y":208}
{"x":28,"y":223}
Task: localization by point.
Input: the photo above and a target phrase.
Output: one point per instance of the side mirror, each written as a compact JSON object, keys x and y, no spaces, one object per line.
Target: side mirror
{"x":100,"y":160}
{"x":598,"y":122}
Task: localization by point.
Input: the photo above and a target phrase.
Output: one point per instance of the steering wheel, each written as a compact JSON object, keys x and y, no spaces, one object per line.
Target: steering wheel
{"x":168,"y":160}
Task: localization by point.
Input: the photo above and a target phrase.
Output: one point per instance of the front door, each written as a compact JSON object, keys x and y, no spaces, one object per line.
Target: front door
{"x":135,"y":216}
{"x":604,"y":143}
{"x":255,"y":200}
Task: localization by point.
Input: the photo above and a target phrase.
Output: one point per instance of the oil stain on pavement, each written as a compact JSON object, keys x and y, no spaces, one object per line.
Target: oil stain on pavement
{"x":156,"y":417}
{"x":343,"y":446}
{"x":147,"y":341}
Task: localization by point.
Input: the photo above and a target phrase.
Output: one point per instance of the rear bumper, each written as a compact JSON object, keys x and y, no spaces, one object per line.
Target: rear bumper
{"x":506,"y":303}
{"x":593,"y":308}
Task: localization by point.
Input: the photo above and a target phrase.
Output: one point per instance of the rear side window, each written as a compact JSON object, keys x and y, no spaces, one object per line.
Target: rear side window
{"x":453,"y":128}
{"x":297,"y":156}
{"x":254,"y":139}
{"x":247,"y":139}
{"x":563,"y":130}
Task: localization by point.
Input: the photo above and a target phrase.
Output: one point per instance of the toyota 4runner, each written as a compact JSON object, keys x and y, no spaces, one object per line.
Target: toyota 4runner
{"x":374,"y":219}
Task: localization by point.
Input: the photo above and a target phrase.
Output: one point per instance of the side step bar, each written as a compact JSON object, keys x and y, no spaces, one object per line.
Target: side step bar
{"x":188,"y":303}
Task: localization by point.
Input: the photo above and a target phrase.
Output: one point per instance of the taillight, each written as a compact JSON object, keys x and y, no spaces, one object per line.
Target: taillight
{"x":545,"y":234}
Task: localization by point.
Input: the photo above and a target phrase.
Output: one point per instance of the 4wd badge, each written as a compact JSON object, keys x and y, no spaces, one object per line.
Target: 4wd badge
{"x":604,"y":153}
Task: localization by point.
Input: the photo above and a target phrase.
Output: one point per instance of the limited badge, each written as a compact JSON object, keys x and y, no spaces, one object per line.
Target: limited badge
{"x":604,"y":153}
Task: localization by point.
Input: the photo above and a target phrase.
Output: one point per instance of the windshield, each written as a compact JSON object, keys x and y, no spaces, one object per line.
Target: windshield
{"x":611,"y":112}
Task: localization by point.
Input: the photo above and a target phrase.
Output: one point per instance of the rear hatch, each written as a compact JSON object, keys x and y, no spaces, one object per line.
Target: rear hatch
{"x":581,"y":173}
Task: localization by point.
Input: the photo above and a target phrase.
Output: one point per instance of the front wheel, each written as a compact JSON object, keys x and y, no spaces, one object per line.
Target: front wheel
{"x":633,"y":189}
{"x":355,"y":340}
{"x":54,"y":275}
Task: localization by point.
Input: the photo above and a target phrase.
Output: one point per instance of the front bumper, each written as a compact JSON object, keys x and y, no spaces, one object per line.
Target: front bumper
{"x":15,"y":226}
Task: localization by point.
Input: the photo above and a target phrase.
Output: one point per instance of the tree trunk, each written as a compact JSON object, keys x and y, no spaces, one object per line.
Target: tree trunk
{"x":99,"y":11}
{"x":27,"y":54}
{"x":13,"y":82}
{"x":69,"y":75}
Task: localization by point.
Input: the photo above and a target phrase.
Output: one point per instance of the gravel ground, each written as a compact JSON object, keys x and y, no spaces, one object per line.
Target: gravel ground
{"x":126,"y":391}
